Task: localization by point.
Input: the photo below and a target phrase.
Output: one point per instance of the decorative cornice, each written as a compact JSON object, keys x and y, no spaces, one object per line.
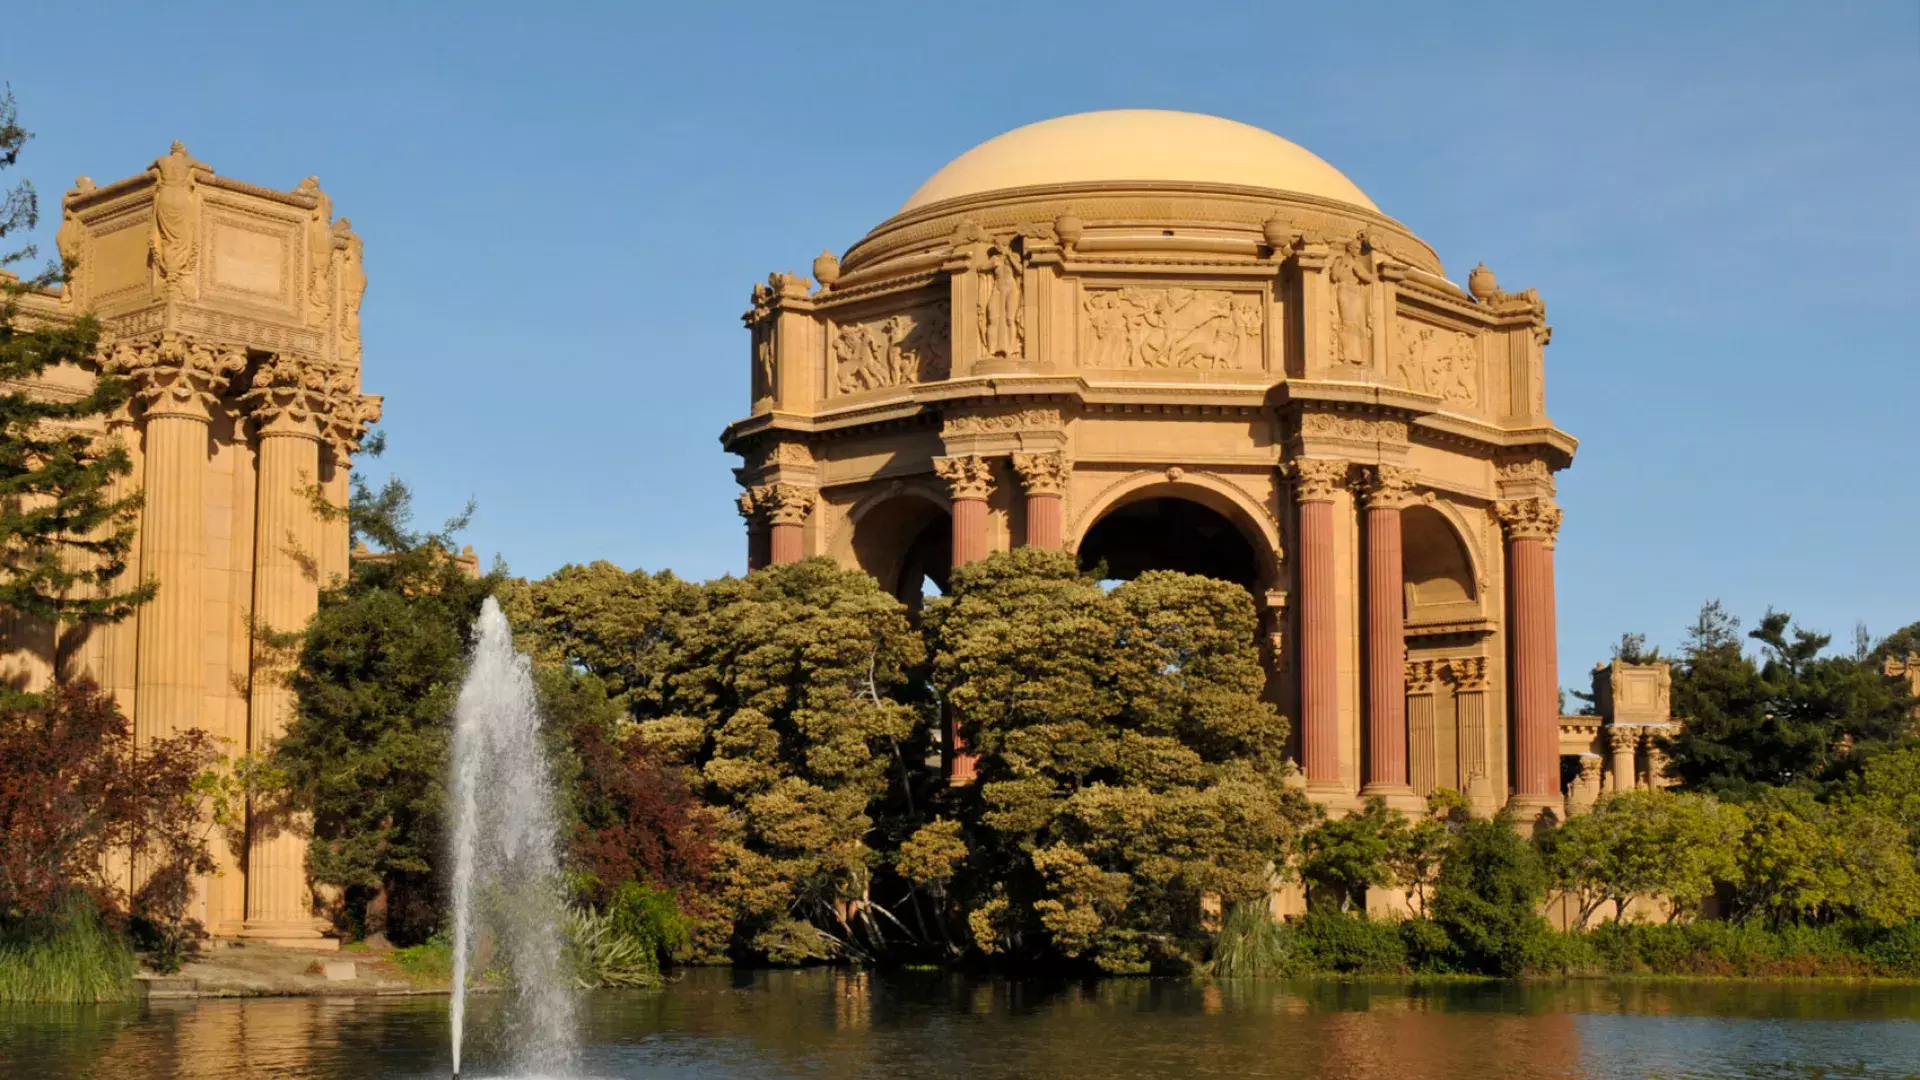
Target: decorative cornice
{"x":1316,"y":479}
{"x":1388,"y":487}
{"x":177,"y":376}
{"x":1042,"y":474}
{"x":968,"y":477}
{"x":1529,"y":519}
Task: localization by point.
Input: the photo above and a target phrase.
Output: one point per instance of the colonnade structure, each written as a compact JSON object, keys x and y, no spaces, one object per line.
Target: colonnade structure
{"x":234,"y":310}
{"x":1164,"y":340}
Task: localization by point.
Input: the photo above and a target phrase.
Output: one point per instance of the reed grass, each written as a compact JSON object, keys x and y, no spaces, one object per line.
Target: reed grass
{"x":78,"y":960}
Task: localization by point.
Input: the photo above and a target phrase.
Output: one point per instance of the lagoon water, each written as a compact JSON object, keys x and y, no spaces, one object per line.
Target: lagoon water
{"x":712,"y":1023}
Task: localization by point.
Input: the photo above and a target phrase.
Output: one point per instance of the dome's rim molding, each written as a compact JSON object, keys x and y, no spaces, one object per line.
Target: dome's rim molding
{"x":905,"y":232}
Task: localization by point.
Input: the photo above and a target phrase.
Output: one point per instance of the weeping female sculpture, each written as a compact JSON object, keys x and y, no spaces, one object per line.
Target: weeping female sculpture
{"x":171,"y":246}
{"x":1000,"y":308}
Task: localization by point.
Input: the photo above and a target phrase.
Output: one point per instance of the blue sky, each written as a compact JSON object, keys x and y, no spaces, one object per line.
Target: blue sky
{"x":564,"y":207}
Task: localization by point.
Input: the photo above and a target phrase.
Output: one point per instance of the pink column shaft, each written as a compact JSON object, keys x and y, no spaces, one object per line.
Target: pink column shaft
{"x":1043,"y":521}
{"x":783,"y":543}
{"x":969,"y":530}
{"x":1386,"y":653}
{"x":1319,"y":664}
{"x":1536,"y":682}
{"x":759,"y":546}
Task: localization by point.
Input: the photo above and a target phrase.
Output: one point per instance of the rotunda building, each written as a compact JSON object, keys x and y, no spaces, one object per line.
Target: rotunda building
{"x":1161,"y":340}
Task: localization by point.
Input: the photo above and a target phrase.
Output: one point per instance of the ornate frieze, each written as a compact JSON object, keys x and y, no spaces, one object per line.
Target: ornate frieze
{"x":899,"y":350}
{"x":175,"y":375}
{"x":1042,"y":474}
{"x":1171,"y":327}
{"x":1439,"y":362}
{"x":1352,"y":428}
{"x":991,"y":423}
{"x":1317,"y":479}
{"x":1388,"y":487}
{"x":1529,"y":519}
{"x":967,"y":477}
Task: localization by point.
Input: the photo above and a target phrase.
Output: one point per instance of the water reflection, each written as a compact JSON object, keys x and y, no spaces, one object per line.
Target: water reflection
{"x":716,"y":1023}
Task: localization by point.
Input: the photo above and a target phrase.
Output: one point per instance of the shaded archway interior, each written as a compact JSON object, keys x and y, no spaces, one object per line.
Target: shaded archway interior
{"x":904,"y":543}
{"x":1437,"y":572}
{"x":1170,"y":534}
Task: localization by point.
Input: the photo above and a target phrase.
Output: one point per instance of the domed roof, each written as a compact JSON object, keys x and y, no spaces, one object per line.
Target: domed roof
{"x":1137,"y":144}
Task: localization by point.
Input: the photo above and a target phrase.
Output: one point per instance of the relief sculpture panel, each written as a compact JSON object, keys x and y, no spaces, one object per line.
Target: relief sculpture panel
{"x":1443,"y":363}
{"x":1150,"y":327}
{"x":899,"y":350}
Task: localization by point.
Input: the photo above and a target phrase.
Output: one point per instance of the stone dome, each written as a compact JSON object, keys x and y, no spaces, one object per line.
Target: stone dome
{"x":1152,"y":145}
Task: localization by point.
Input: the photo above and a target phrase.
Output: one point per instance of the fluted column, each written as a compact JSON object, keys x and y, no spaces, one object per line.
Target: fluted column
{"x":970,"y":482}
{"x":1422,"y":769}
{"x":783,"y":508}
{"x":287,"y":405}
{"x":1386,"y":490}
{"x":1625,"y":743}
{"x":1531,"y":525}
{"x":1316,"y":482}
{"x":1468,"y":674}
{"x":758,"y":542}
{"x":1045,"y":478}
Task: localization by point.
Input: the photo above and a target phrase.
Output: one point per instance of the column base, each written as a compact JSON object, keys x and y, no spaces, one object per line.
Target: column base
{"x":300,"y":934}
{"x":1337,"y":797}
{"x":1399,"y":797}
{"x":1527,"y":810}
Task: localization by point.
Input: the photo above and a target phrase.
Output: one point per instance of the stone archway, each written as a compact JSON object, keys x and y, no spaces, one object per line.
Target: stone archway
{"x":1168,"y":532}
{"x":904,"y":540}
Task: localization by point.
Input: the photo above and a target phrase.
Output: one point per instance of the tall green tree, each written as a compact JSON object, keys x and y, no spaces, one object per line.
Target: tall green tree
{"x":1792,"y":715}
{"x":64,"y":535}
{"x":1487,"y":898}
{"x":1128,"y":764}
{"x":1645,"y":843}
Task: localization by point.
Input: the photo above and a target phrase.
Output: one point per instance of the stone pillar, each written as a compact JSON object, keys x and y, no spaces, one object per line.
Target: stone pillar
{"x":778,"y":513}
{"x":759,"y":547}
{"x":1625,"y":744}
{"x":288,"y":415}
{"x":1531,"y":525}
{"x":1387,"y":489}
{"x":1469,"y":677}
{"x":1044,"y":476}
{"x":969,"y":481}
{"x":1422,"y":769}
{"x":1584,"y":791}
{"x":1315,"y":483}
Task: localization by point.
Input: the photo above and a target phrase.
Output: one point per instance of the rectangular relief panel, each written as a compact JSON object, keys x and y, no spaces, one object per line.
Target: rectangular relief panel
{"x":1438,"y":361}
{"x":252,"y":258}
{"x":897,"y":348}
{"x":115,"y":259}
{"x":1165,"y":329}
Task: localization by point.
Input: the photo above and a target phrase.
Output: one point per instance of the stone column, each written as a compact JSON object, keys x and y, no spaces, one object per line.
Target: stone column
{"x":1386,"y":490}
{"x":287,"y":403}
{"x":1422,"y":770}
{"x":178,"y":383}
{"x":784,"y":508}
{"x":1315,"y":482}
{"x":969,"y":481}
{"x":1584,"y":791}
{"x":1531,"y":525}
{"x":1045,"y":478}
{"x":1469,"y":677}
{"x":1625,"y":744}
{"x":758,"y":545}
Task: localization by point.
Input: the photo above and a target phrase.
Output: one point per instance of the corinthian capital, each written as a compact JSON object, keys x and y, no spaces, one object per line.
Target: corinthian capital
{"x":350,"y":413}
{"x":1042,"y":474}
{"x":1388,"y":487}
{"x":1316,"y":479}
{"x":175,"y":375}
{"x":781,"y":504}
{"x":1529,"y":519}
{"x":288,"y":397}
{"x":968,"y":477}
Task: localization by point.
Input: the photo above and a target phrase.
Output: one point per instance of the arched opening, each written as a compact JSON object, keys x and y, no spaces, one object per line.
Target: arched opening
{"x":1170,"y":533}
{"x":1438,"y":572}
{"x":906,"y":543}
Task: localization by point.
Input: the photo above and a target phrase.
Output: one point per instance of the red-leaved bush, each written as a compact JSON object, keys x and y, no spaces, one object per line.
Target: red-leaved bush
{"x":84,"y":813}
{"x":637,"y":821}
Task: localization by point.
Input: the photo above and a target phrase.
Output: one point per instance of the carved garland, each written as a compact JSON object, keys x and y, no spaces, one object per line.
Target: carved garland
{"x":989,"y":423}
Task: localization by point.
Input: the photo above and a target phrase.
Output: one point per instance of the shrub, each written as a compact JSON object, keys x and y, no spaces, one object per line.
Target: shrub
{"x":598,"y":954}
{"x":1488,"y":896}
{"x":1348,"y":944}
{"x":74,"y":959}
{"x":1251,"y":945}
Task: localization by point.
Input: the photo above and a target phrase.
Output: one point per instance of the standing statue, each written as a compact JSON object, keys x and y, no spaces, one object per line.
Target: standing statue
{"x":1000,"y":307}
{"x":351,"y":256}
{"x":170,"y":250}
{"x":67,"y":240}
{"x":1352,"y":273}
{"x":319,"y":250}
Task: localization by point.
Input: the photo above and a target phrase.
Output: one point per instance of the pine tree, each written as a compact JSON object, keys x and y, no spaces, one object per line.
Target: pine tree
{"x":64,"y":536}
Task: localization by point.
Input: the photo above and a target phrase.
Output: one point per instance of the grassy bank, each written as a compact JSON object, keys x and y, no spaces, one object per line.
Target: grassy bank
{"x":1252,"y":946}
{"x":79,"y":960}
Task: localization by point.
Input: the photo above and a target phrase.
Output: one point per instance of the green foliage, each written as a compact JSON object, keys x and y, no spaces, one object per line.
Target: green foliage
{"x":601,"y":954}
{"x":1127,"y":762}
{"x":1644,"y":842}
{"x":379,"y":669}
{"x":1251,"y":945}
{"x":64,"y":535}
{"x":781,"y":705}
{"x":1488,"y":896}
{"x":1789,"y":717}
{"x":1342,"y":857}
{"x":650,"y":917}
{"x":1803,"y":860}
{"x":617,"y":625}
{"x":431,"y":961}
{"x":75,"y":959}
{"x":1351,"y":944}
